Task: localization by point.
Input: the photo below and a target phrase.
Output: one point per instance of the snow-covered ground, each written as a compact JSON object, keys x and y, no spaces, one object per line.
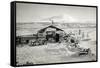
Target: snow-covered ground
{"x":50,"y":53}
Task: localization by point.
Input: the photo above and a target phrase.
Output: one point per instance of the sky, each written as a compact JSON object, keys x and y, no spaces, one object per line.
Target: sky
{"x":40,"y":12}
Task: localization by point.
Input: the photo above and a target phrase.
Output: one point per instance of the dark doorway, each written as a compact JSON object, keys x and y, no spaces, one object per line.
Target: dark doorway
{"x":53,"y":37}
{"x":57,"y":37}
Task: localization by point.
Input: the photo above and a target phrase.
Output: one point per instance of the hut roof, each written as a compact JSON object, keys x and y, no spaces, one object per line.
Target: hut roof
{"x":51,"y":26}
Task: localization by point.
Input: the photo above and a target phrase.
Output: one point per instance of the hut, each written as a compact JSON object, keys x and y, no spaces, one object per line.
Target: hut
{"x":50,"y":33}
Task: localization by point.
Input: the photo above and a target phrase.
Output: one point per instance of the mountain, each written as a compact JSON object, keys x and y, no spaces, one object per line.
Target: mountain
{"x":61,"y":19}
